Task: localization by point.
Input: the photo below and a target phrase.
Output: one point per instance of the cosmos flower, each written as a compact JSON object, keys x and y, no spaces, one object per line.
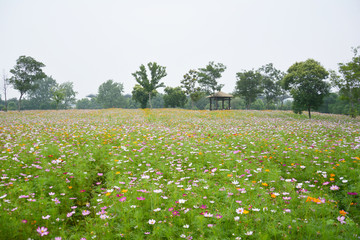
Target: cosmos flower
{"x":152,"y":222}
{"x":334,"y":188}
{"x":42,"y":231}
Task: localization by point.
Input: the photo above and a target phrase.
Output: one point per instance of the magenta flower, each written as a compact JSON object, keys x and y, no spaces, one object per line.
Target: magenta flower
{"x":122,"y":199}
{"x":42,"y":231}
{"x":85,"y":212}
{"x":352,"y":193}
{"x":140,"y":198}
{"x":218,"y":216}
{"x":24,"y":221}
{"x":203,"y":207}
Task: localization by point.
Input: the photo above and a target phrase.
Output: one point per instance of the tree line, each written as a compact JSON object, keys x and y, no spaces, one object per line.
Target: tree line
{"x":306,"y":86}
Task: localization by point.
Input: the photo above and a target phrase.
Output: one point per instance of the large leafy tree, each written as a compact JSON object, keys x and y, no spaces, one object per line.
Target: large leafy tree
{"x":248,"y":86}
{"x":305,"y":80}
{"x":110,"y":94}
{"x":190,"y":84}
{"x":349,"y":82}
{"x":271,"y":84}
{"x":208,"y":77}
{"x":26,"y":73}
{"x":174,"y":97}
{"x":150,"y":85}
{"x":40,"y":97}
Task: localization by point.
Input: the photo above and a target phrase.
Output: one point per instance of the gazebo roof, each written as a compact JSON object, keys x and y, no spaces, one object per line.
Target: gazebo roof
{"x":220,"y":95}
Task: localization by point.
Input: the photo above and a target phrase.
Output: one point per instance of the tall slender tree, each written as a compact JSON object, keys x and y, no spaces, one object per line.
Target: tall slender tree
{"x":349,"y":81}
{"x":150,"y":85}
{"x":248,"y":86}
{"x":25,"y":74}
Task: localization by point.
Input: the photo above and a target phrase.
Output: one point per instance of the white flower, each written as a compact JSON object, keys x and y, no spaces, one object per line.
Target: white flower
{"x":208,"y":215}
{"x":235,"y":182}
{"x":239,"y":210}
{"x":182,"y":200}
{"x":157,"y":191}
{"x":46,"y":217}
{"x":249,"y":233}
{"x":186,"y":226}
{"x":133,"y":206}
{"x":157,"y":209}
{"x":237,"y":218}
{"x":152,"y":221}
{"x":256,"y":209}
{"x":183,"y":236}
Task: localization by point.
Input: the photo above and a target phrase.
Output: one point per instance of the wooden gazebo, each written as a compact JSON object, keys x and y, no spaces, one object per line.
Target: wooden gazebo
{"x":214,"y":99}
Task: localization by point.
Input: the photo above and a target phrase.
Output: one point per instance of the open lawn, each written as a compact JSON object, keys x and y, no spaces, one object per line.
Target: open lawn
{"x":173,"y":174}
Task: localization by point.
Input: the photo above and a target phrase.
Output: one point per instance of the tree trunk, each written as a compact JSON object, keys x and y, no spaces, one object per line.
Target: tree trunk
{"x":309,"y":112}
{"x":19,"y":105}
{"x":150,"y":100}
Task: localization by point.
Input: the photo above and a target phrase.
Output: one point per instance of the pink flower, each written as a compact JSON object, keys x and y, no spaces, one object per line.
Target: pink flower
{"x":341,"y":219}
{"x":140,"y":198}
{"x":334,"y":187}
{"x":100,"y":174}
{"x":85,"y":212}
{"x":218,"y":216}
{"x":24,"y":221}
{"x":42,"y":231}
{"x":122,"y":199}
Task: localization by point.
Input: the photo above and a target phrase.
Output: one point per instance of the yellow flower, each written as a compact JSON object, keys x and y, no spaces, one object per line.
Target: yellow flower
{"x":117,"y":172}
{"x":265,"y":184}
{"x":124,"y":190}
{"x":70,"y":187}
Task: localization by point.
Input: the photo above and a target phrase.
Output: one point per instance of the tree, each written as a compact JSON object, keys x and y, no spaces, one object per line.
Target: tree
{"x":64,"y":95}
{"x":41,"y":96}
{"x":5,"y":85}
{"x":248,"y":85}
{"x":305,"y":80}
{"x":140,"y":95}
{"x":189,"y":83}
{"x":271,"y":83}
{"x":349,"y":81}
{"x":110,"y":94}
{"x":58,"y":95}
{"x":157,"y":72}
{"x":70,"y":94}
{"x":208,"y":75}
{"x":174,"y":97}
{"x":25,"y":74}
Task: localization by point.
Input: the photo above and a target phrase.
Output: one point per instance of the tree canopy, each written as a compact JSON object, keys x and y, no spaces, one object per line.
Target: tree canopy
{"x":174,"y":97}
{"x":248,"y":85}
{"x":305,"y":80}
{"x":110,"y":94}
{"x":208,"y":77}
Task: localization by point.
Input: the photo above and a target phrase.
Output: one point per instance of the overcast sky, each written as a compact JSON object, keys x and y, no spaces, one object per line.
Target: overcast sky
{"x":88,"y":42}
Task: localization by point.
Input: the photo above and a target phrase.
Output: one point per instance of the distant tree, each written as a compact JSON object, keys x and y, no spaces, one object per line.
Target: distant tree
{"x":271,"y":83}
{"x":174,"y":97}
{"x":140,"y":95}
{"x":157,"y":72}
{"x":248,"y":86}
{"x":305,"y":80}
{"x":58,"y":95}
{"x":64,"y":95}
{"x":41,"y":96}
{"x":110,"y":94}
{"x":70,"y":94}
{"x":189,"y":83}
{"x":5,"y":86}
{"x":87,"y":103}
{"x":349,"y":82}
{"x":26,"y":73}
{"x":208,"y":77}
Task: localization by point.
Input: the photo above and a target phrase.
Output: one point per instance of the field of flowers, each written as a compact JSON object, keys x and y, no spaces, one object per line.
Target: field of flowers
{"x":177,"y":174}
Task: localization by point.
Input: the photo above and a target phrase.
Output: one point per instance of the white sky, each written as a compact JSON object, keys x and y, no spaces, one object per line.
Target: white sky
{"x":88,"y":42}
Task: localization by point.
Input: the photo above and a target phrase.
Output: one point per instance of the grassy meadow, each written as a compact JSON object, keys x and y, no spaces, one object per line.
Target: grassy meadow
{"x":178,"y":174}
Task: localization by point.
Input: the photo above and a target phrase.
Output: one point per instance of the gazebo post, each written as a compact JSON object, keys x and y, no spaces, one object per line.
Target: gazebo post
{"x":229,"y":103}
{"x":219,"y":96}
{"x":223,"y":104}
{"x":210,"y":103}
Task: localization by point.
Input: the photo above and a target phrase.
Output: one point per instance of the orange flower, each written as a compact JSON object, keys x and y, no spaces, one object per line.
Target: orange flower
{"x":124,"y":190}
{"x":70,"y":187}
{"x":342,"y":212}
{"x":265,"y":184}
{"x":273,"y":195}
